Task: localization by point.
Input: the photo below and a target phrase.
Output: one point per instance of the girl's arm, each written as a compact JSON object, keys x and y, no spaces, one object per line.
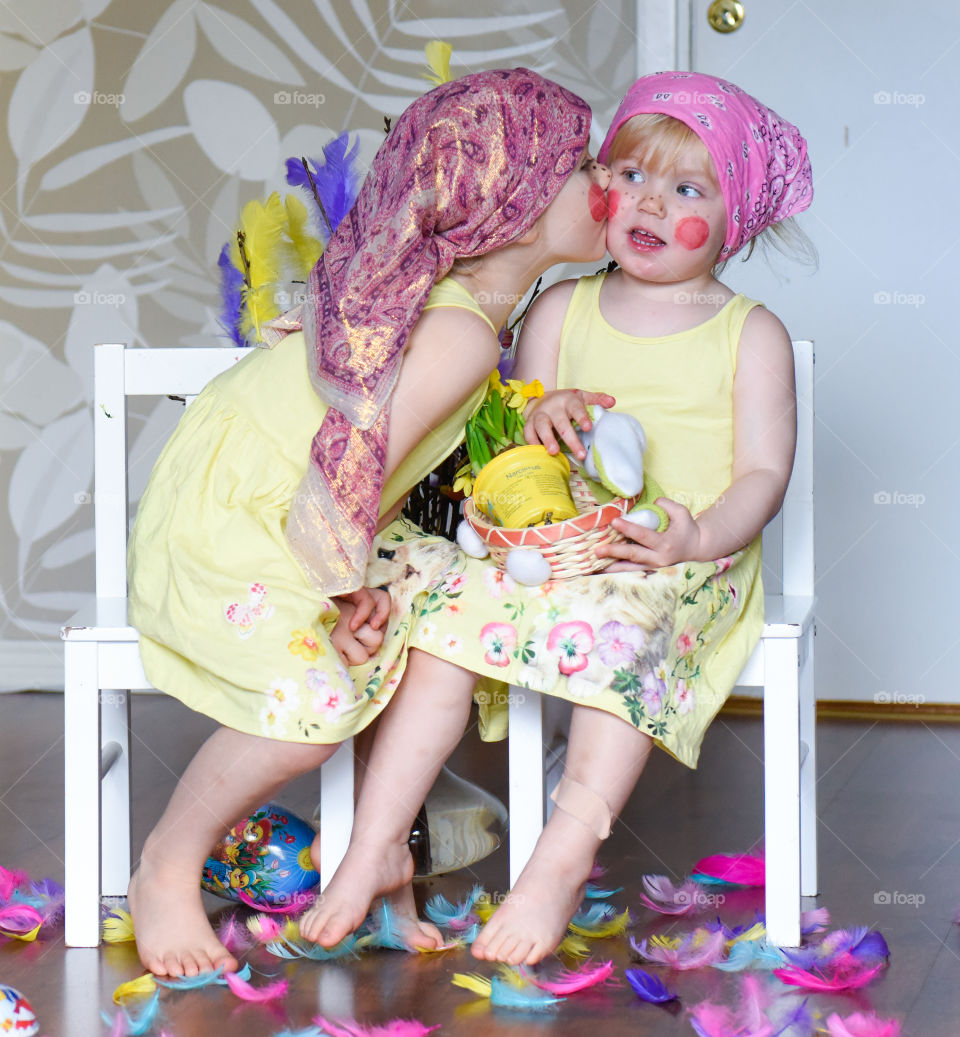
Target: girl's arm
{"x":765,"y":431}
{"x":538,"y":355}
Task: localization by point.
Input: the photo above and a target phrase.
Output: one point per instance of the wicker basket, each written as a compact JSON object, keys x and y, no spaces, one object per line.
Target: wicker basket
{"x":569,"y":546}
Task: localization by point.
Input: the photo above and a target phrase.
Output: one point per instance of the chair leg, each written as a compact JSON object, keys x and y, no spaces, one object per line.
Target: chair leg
{"x":336,"y":810}
{"x":809,"y":880}
{"x":781,"y":776}
{"x":81,"y":801}
{"x":115,"y":792}
{"x":526,"y":779}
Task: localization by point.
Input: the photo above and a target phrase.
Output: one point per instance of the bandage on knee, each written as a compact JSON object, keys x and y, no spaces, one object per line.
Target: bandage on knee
{"x":587,"y":806}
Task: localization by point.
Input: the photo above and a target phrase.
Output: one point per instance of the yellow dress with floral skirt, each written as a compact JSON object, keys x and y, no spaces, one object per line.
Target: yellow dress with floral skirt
{"x":663,"y":649}
{"x":228,"y":622}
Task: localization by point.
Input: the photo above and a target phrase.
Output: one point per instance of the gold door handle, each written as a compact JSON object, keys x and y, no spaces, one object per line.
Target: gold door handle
{"x":725,"y":15}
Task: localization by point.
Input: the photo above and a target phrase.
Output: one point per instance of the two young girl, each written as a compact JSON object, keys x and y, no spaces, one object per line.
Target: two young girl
{"x":648,"y":650}
{"x":272,"y":509}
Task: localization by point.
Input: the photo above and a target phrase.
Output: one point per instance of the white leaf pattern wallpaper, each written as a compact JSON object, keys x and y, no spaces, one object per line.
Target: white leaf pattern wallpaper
{"x":135,"y":132}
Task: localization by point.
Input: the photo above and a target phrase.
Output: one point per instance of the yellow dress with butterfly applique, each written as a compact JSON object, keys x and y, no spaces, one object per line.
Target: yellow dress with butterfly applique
{"x":228,"y":622}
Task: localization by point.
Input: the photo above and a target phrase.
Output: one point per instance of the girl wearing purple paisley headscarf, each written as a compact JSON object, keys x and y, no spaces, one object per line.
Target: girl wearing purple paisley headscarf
{"x":272,"y":510}
{"x":648,"y":650}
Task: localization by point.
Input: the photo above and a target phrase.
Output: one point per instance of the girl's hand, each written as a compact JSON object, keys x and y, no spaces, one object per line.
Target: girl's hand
{"x":356,"y":636}
{"x":553,"y":414}
{"x":648,"y":549}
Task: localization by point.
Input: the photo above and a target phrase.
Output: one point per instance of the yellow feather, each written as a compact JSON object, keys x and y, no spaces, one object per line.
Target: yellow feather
{"x":512,"y":977}
{"x":117,"y":927}
{"x":306,"y":248}
{"x":264,"y":248}
{"x":142,"y":986}
{"x":574,"y":947}
{"x":484,"y":908}
{"x":615,"y":927}
{"x":755,"y":932}
{"x":438,"y":58}
{"x":473,"y":982}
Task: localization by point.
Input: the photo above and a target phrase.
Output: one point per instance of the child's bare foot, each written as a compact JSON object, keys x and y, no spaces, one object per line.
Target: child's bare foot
{"x":368,"y":870}
{"x":533,"y":920}
{"x":412,"y":930}
{"x":174,"y":937}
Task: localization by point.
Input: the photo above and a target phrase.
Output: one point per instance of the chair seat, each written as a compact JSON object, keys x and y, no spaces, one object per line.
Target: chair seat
{"x":100,"y":619}
{"x":786,"y":615}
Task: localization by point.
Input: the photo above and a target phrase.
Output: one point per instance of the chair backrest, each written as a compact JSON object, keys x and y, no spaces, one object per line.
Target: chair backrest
{"x":797,"y":514}
{"x":120,"y":372}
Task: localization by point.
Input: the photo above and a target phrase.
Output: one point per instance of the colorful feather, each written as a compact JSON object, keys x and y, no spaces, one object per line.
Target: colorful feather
{"x":598,"y":925}
{"x":234,"y":935}
{"x":247,"y":992}
{"x":383,"y":931}
{"x":332,"y":183}
{"x":815,"y":921}
{"x":594,"y":892}
{"x":693,"y":951}
{"x":665,"y":898}
{"x":573,"y":946}
{"x":130,"y":1023}
{"x":569,"y":982}
{"x":259,"y":251}
{"x":862,"y":1025}
{"x":10,"y":881}
{"x":751,"y":954}
{"x":394,"y":1028}
{"x":472,"y":981}
{"x":791,"y":1018}
{"x":142,"y":986}
{"x":828,"y":981}
{"x":290,"y":947}
{"x":442,"y":912}
{"x":265,"y":928}
{"x":438,"y":58}
{"x":649,"y":987}
{"x":20,"y":922}
{"x":305,"y":248}
{"x":117,"y":926}
{"x":204,"y":979}
{"x":737,"y":869}
{"x":231,"y":296}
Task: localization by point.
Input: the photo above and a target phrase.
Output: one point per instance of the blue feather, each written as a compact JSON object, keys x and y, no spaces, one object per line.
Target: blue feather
{"x":506,"y":995}
{"x":649,"y":987}
{"x":336,"y":179}
{"x":231,"y":294}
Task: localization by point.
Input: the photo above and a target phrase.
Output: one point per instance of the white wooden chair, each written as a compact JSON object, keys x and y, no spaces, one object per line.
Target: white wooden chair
{"x":782,"y":665}
{"x":102,"y":660}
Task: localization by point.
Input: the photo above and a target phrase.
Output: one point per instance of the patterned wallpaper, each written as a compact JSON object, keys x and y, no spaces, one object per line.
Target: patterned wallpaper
{"x":134,"y":134}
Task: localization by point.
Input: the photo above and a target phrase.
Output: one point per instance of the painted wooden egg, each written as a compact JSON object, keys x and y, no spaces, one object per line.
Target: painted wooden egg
{"x":266,"y":856}
{"x":16,"y":1015}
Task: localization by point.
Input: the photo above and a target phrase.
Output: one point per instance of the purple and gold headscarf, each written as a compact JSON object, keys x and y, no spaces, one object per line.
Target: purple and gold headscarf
{"x":466,"y":169}
{"x":760,"y":159}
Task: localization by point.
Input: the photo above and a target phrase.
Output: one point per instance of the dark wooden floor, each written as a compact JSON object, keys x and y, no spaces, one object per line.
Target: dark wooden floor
{"x":889,"y":823}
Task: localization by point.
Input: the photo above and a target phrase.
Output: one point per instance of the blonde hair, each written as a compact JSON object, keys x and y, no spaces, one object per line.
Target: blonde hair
{"x":660,"y":140}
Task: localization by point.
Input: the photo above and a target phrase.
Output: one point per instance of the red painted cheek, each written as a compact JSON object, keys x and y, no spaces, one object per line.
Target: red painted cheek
{"x":613,"y":201}
{"x":598,"y":203}
{"x":692,"y":232}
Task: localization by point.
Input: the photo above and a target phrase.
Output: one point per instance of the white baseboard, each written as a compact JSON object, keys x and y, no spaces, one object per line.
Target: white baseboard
{"x":31,"y":666}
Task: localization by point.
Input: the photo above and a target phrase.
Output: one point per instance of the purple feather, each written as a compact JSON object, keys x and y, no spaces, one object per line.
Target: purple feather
{"x":649,"y":987}
{"x":335,"y":178}
{"x":231,"y":294}
{"x":873,"y":947}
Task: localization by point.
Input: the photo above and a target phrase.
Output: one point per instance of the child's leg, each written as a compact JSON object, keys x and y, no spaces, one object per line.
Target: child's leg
{"x":417,"y":733}
{"x":605,"y":756}
{"x":231,"y":775}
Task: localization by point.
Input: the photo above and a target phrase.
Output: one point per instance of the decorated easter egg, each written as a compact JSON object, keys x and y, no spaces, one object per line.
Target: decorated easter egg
{"x":16,"y":1015}
{"x":266,"y":857}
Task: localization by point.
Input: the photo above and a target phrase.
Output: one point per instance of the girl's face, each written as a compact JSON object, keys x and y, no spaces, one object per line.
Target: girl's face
{"x":574,"y":225}
{"x":666,"y":225}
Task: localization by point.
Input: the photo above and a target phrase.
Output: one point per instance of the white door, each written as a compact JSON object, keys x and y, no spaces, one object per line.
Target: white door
{"x":875,"y":89}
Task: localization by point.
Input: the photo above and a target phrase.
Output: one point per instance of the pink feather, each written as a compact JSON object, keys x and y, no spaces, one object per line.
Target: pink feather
{"x":860,"y":1025}
{"x":395,"y":1028}
{"x":849,"y":977}
{"x":596,"y":872}
{"x":9,"y":882}
{"x":297,"y":902}
{"x":247,"y":992}
{"x":815,"y":921}
{"x":264,"y":928}
{"x":569,"y":982}
{"x":234,"y":935}
{"x":668,"y":899}
{"x":711,"y":1020}
{"x":739,"y":869}
{"x":693,"y":953}
{"x":19,"y":919}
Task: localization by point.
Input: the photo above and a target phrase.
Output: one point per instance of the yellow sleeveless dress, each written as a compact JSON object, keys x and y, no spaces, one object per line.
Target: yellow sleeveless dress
{"x":228,"y":622}
{"x":661,"y":650}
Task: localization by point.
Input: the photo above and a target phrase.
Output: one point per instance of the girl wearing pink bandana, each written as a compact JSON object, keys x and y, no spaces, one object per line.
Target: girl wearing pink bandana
{"x":271,"y":514}
{"x":648,"y":650}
